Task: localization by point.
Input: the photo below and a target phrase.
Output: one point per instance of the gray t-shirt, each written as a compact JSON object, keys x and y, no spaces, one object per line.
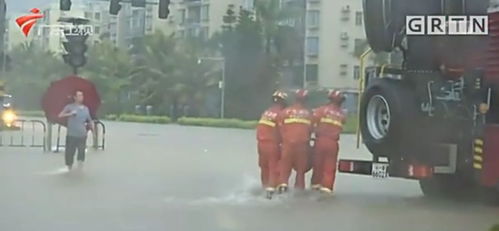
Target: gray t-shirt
{"x":77,"y":123}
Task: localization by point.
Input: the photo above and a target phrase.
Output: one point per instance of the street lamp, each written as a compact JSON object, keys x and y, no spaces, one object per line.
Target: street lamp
{"x":221,"y":84}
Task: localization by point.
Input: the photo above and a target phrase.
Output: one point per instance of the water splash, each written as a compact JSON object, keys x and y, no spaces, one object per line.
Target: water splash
{"x":249,"y":193}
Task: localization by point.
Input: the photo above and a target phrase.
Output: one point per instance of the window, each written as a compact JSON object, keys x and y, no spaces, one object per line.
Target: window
{"x":194,"y":14}
{"x":181,"y":15}
{"x":344,"y":40}
{"x":313,"y":46}
{"x":205,"y":13}
{"x":343,"y":70}
{"x":97,"y":29}
{"x":356,"y":72}
{"x":358,"y":18}
{"x":88,"y":15}
{"x":313,"y":18}
{"x":248,"y":4}
{"x":312,"y":73}
{"x":97,"y":16}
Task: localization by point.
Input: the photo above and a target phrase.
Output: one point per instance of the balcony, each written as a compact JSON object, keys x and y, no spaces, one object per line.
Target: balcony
{"x":191,"y":2}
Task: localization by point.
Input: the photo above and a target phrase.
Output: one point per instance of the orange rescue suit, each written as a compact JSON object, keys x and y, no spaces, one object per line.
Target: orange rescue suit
{"x":328,"y":121}
{"x":295,"y":127}
{"x":269,"y":147}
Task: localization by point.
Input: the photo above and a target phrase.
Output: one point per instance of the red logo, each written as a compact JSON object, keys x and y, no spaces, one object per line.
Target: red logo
{"x":26,"y":22}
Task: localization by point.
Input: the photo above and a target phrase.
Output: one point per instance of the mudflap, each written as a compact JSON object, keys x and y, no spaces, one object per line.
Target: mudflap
{"x":490,"y":166}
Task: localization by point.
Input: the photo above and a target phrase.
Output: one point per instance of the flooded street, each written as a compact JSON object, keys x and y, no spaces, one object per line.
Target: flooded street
{"x":154,"y":177}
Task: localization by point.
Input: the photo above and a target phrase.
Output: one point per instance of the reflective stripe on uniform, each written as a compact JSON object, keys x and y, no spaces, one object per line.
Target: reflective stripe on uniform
{"x":331,"y":121}
{"x":267,"y":122}
{"x":297,"y":121}
{"x":477,"y":166}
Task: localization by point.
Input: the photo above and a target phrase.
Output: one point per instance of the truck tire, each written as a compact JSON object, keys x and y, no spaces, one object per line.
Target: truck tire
{"x":383,"y":20}
{"x":387,"y":114}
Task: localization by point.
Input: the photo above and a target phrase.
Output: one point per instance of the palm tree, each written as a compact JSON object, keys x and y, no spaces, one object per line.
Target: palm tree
{"x":111,"y":69}
{"x":170,"y":74}
{"x":272,"y":16}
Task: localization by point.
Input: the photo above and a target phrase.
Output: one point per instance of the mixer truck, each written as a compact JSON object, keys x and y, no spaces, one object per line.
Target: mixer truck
{"x":434,"y":117}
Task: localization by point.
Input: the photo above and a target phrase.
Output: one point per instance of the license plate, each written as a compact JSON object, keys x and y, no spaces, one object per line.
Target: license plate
{"x":380,"y":170}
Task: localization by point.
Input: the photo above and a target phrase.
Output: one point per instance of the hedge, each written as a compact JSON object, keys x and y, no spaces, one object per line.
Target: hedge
{"x":350,"y":127}
{"x":220,"y":123}
{"x":31,"y":113}
{"x":139,"y":118}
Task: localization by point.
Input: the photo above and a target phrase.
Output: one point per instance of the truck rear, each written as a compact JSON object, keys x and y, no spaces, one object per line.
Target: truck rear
{"x":435,"y":116}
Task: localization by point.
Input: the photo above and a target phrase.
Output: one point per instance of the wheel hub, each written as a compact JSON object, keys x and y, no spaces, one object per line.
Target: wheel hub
{"x":378,"y":117}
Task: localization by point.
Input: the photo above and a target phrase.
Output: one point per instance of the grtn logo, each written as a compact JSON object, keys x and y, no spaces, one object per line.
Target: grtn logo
{"x":27,"y":22}
{"x":447,"y":25}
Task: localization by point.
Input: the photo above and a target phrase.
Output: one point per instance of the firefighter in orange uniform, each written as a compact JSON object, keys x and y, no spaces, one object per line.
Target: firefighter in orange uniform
{"x":328,"y":121}
{"x":269,"y":143}
{"x":295,"y":127}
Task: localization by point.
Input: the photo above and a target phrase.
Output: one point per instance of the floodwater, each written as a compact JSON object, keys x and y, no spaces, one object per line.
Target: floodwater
{"x":168,"y":177}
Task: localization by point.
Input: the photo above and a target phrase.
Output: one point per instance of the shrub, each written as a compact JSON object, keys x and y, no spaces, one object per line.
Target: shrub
{"x":111,"y":117}
{"x":144,"y":119}
{"x":31,"y":113}
{"x":221,"y":123}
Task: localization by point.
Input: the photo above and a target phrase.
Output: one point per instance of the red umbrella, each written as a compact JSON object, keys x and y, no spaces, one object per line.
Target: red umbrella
{"x":60,"y":93}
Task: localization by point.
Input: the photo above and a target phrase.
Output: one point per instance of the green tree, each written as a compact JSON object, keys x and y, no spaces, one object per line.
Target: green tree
{"x":170,"y":75}
{"x":32,"y":70}
{"x":251,"y":73}
{"x":273,"y":16}
{"x":111,"y":69}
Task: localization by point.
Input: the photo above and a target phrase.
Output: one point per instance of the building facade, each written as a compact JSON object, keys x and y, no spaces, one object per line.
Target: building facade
{"x":333,"y":30}
{"x":202,"y":18}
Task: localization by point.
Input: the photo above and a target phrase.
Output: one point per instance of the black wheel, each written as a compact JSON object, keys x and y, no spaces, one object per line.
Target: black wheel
{"x":383,"y":21}
{"x":388,"y":114}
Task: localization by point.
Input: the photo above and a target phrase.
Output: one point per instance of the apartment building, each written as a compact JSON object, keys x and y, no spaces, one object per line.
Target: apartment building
{"x":333,"y":30}
{"x":46,"y":31}
{"x":202,"y":18}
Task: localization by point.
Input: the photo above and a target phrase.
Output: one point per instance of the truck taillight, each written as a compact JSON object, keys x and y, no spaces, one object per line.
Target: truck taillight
{"x":346,"y":166}
{"x":419,"y":171}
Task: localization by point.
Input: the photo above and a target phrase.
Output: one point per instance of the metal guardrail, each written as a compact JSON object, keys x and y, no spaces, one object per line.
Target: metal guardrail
{"x":99,"y":126}
{"x":21,"y":133}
